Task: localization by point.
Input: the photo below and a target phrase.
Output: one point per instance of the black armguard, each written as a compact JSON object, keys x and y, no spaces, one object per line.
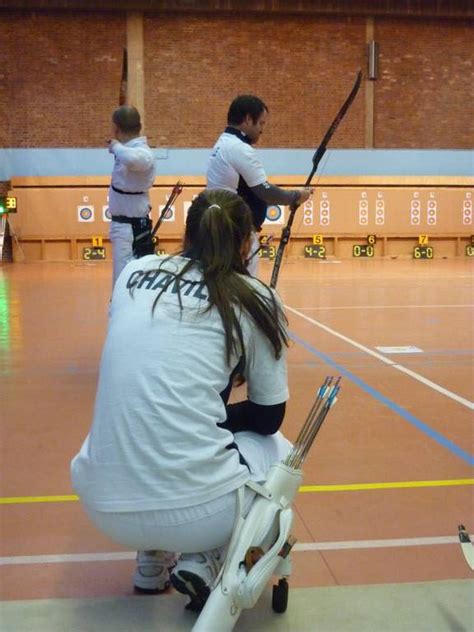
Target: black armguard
{"x":246,"y":415}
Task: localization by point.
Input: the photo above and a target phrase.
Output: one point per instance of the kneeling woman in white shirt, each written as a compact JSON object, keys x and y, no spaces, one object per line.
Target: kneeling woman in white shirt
{"x":166,"y":453}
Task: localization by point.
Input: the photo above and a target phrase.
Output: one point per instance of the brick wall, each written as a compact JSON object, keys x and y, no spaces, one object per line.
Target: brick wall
{"x":60,"y":79}
{"x":60,"y":76}
{"x":301,"y":67}
{"x":425,"y":94}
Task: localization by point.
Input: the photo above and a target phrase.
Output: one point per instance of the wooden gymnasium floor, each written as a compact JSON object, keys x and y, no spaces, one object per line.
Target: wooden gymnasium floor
{"x":387,"y":482}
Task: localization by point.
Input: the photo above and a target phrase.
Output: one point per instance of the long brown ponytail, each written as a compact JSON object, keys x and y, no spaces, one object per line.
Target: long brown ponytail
{"x":218,"y":229}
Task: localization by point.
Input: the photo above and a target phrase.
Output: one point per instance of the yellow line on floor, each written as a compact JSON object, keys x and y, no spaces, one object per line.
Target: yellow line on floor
{"x":395,"y":485}
{"x":20,"y":500}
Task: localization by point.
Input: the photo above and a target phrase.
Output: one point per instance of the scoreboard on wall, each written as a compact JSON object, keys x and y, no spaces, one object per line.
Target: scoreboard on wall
{"x":96,"y":251}
{"x":470,"y":248}
{"x":8,"y":204}
{"x":315,"y":250}
{"x":365,"y":250}
{"x":423,"y":250}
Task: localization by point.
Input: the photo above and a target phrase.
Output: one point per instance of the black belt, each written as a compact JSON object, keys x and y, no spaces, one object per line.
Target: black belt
{"x":127,"y":192}
{"x":124,"y":219}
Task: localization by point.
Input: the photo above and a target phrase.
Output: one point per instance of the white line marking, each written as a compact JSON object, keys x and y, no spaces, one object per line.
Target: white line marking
{"x":376,"y":544}
{"x":434,"y":386}
{"x":380,"y":307}
{"x":303,"y":546}
{"x":405,"y":349}
{"x":399,"y":367}
{"x":67,"y":558}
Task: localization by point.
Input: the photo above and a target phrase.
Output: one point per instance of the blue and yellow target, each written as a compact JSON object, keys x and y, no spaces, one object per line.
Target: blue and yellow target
{"x":86,"y":213}
{"x":274,"y":213}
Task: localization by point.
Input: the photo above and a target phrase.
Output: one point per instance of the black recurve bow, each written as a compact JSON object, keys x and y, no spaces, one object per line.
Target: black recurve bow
{"x":124,"y":79}
{"x":318,"y":154}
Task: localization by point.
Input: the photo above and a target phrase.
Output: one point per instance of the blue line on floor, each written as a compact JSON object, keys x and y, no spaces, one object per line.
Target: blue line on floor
{"x":436,"y":436}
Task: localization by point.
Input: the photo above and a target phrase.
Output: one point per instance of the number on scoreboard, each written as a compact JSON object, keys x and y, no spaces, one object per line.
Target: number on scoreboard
{"x":423,"y":252}
{"x":363,"y":250}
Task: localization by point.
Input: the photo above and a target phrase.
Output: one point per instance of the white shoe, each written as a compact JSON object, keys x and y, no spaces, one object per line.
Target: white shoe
{"x":152,"y":574}
{"x":194,"y":575}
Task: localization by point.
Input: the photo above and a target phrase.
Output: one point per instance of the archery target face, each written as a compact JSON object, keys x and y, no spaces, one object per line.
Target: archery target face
{"x":324,"y":212}
{"x":274,"y":215}
{"x":106,"y":214}
{"x":85,"y":213}
{"x":467,"y":212}
{"x":170,"y":214}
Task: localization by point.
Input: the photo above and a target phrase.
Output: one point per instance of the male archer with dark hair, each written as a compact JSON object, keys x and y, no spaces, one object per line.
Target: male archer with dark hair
{"x":234,"y":165}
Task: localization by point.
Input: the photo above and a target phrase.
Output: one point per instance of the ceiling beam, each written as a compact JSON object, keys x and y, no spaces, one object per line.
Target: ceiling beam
{"x":388,"y":8}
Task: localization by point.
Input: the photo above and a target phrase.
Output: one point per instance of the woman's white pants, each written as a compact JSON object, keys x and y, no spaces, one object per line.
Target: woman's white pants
{"x":199,"y":527}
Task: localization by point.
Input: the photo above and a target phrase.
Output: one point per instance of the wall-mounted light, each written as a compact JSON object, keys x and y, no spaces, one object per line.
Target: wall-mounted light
{"x":373,"y":59}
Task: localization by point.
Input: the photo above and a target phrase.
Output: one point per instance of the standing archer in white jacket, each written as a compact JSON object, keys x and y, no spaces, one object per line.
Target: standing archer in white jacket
{"x":234,"y":165}
{"x":132,"y":176}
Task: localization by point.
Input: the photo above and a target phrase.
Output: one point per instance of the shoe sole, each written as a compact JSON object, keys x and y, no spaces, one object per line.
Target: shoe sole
{"x":151,"y":591}
{"x":194,"y":587}
{"x":144,"y":590}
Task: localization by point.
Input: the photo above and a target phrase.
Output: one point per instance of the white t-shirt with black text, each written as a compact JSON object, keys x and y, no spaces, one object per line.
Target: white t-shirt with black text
{"x":154,"y":441}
